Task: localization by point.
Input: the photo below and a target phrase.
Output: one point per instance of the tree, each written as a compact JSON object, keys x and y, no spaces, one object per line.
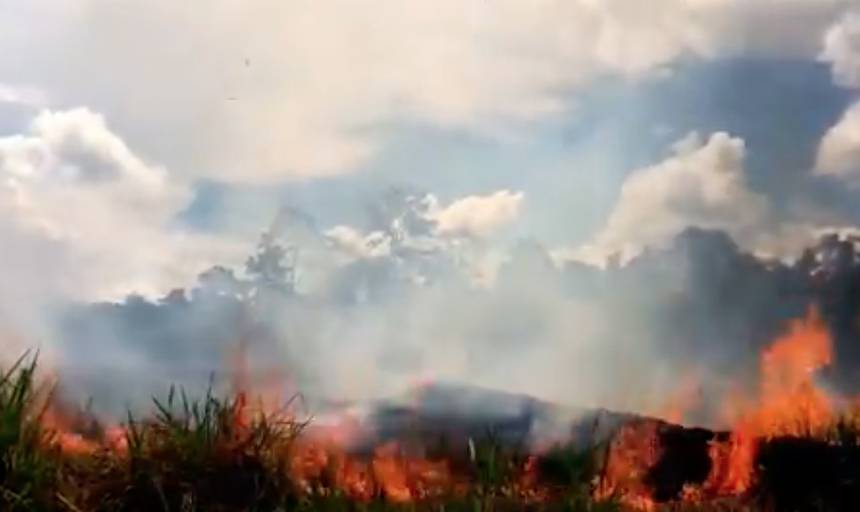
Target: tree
{"x":219,"y":281}
{"x":273,"y":267}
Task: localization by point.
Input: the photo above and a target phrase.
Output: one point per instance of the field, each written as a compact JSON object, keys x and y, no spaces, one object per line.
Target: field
{"x":220,"y":454}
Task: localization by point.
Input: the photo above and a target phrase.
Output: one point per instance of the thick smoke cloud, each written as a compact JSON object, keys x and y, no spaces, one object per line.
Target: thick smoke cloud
{"x":307,"y":89}
{"x":280,"y":93}
{"x":375,"y":324}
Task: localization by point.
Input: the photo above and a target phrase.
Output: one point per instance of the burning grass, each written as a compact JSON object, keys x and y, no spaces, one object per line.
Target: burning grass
{"x":790,"y":448}
{"x":218,"y":454}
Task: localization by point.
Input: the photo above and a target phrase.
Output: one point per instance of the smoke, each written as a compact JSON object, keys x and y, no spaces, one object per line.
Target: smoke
{"x":373,"y":324}
{"x":420,"y":290}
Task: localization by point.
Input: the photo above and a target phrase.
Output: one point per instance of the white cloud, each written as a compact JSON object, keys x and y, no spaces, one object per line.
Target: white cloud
{"x":358,"y":245}
{"x":839,"y":150}
{"x":842,"y":50}
{"x":21,"y":95}
{"x":478,"y":216}
{"x":702,"y":184}
{"x":83,"y":217}
{"x":474,"y":217}
{"x":323,"y":77}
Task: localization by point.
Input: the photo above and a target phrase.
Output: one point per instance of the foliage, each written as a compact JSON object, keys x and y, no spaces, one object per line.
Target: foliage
{"x":211,"y":454}
{"x":27,"y":466}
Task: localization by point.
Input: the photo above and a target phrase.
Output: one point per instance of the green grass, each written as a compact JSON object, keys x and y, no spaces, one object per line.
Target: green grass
{"x":207,"y":454}
{"x":28,"y":465}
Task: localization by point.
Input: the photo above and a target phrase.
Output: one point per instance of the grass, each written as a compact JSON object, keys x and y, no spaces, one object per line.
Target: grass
{"x":28,"y":464}
{"x":215,"y":454}
{"x":208,"y":454}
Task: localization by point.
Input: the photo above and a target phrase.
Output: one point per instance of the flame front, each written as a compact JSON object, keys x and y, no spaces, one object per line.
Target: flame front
{"x":789,"y":402}
{"x":786,"y":401}
{"x":634,"y":449}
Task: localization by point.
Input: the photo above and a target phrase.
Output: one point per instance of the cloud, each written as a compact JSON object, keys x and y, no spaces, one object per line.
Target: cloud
{"x":842,"y":50}
{"x":839,"y":150}
{"x":264,"y":90}
{"x":478,"y":216}
{"x":83,"y":217}
{"x":357,"y":244}
{"x":702,"y":184}
{"x":419,"y":223}
{"x":635,"y":36}
{"x":26,"y":96}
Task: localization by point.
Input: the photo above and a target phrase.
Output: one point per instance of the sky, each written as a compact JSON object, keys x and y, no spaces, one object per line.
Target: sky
{"x":143,"y":142}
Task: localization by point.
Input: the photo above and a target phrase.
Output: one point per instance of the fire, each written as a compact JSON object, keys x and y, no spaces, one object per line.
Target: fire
{"x":791,"y":402}
{"x":732,"y":464}
{"x":634,"y":449}
{"x":788,"y":402}
{"x":74,"y":430}
{"x":319,"y":460}
{"x":260,"y":391}
{"x":78,"y":433}
{"x":389,"y":472}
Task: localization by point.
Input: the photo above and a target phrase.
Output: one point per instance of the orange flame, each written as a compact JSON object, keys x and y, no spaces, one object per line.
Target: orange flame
{"x":78,"y":433}
{"x":789,"y":402}
{"x":634,"y":449}
{"x":389,"y":472}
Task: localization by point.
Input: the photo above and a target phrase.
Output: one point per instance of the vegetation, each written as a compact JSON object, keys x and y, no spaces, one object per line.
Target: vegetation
{"x":196,"y":455}
{"x":213,"y":454}
{"x":28,"y":461}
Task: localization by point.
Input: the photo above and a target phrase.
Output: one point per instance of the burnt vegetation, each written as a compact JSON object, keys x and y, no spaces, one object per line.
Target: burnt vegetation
{"x":213,"y":454}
